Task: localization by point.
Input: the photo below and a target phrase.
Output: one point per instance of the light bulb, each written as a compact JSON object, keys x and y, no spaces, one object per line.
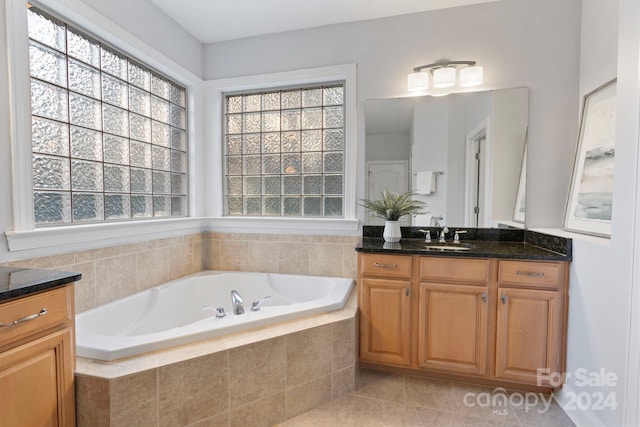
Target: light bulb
{"x":471,"y":76}
{"x":418,"y":81}
{"x":444,"y":77}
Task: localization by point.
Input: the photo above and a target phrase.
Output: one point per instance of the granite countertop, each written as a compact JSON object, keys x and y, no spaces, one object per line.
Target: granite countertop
{"x":21,"y":282}
{"x":482,"y":243}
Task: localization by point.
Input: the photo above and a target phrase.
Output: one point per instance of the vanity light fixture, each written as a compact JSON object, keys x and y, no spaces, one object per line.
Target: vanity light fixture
{"x":444,"y":75}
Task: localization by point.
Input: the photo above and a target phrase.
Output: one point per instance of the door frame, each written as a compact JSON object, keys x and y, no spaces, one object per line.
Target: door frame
{"x":483,"y":128}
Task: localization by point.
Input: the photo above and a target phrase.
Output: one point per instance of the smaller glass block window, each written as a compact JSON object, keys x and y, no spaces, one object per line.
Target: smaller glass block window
{"x":108,"y":133}
{"x":284,"y":152}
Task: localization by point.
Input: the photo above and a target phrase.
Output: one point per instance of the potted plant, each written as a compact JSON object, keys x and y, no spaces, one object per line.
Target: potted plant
{"x":391,"y":207}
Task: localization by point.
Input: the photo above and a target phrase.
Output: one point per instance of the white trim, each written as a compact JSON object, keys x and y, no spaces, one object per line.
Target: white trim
{"x":53,"y":240}
{"x":483,"y":128}
{"x":214,"y":92}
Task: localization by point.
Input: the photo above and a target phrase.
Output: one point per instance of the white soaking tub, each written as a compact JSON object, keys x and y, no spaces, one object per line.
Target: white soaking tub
{"x":184,"y":310}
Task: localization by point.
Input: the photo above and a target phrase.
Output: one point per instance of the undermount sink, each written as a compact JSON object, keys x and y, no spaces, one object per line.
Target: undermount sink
{"x":448,"y":247}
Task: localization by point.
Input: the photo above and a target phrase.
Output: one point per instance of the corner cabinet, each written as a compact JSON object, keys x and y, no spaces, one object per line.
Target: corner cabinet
{"x":37,"y":359}
{"x":497,"y":321}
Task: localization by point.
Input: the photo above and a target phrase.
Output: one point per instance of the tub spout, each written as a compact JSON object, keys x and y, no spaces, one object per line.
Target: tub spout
{"x":237,"y":303}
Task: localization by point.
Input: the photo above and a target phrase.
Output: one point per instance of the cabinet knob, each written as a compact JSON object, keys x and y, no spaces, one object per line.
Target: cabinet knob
{"x":503,"y":298}
{"x":484,"y":296}
{"x":406,"y":291}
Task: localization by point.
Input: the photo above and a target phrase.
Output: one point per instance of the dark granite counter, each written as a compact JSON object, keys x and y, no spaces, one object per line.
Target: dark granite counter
{"x":20,"y":282}
{"x":482,"y":243}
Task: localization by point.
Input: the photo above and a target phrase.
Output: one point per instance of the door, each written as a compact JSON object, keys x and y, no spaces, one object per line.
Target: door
{"x":529,"y":327}
{"x":452,"y":328}
{"x":36,"y":383}
{"x":385,"y":321}
{"x":476,"y":198}
{"x":387,"y":175}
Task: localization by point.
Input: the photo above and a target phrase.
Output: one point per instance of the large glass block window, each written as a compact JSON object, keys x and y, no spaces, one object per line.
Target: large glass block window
{"x":285,"y":152}
{"x":108,"y":133}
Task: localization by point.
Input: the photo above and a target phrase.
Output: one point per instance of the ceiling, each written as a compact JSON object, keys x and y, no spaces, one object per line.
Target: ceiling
{"x":212,"y":21}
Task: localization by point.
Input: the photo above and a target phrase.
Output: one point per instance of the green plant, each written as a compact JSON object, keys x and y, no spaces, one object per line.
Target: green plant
{"x":392,"y":206}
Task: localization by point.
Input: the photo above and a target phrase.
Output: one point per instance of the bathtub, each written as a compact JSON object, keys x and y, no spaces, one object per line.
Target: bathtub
{"x":184,"y":311}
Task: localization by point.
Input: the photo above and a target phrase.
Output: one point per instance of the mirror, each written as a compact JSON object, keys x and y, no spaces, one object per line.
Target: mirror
{"x":462,"y":154}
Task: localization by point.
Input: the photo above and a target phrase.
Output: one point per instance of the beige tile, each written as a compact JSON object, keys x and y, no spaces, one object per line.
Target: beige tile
{"x":275,"y":237}
{"x":85,"y":256}
{"x":240,"y":236}
{"x":431,"y":393}
{"x":343,"y":381}
{"x":134,"y":248}
{"x":193,"y":390}
{"x":374,"y":413}
{"x":344,"y":344}
{"x":309,"y":355}
{"x":115,"y":278}
{"x":338,"y":412}
{"x":46,"y":262}
{"x":307,"y":396}
{"x":85,"y":289}
{"x":306,"y":238}
{"x":492,"y":422}
{"x":134,"y":400}
{"x":212,"y":255}
{"x":233,"y":255}
{"x":197,"y":256}
{"x":469,"y":400}
{"x":192,"y":238}
{"x":261,"y":413}
{"x":349,"y":262}
{"x":170,"y":241}
{"x":343,"y":240}
{"x":379,"y":385}
{"x":220,"y":420}
{"x":293,"y":258}
{"x":262,"y":256}
{"x":151,"y":268}
{"x":92,"y":402}
{"x":256,"y":371}
{"x":534,"y":411}
{"x":109,"y":252}
{"x":325,"y":259}
{"x":419,"y":417}
{"x":179,"y":260}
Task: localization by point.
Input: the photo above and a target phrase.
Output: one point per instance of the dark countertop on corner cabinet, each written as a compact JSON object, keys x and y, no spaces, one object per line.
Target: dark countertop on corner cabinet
{"x":482,"y":243}
{"x":21,"y":282}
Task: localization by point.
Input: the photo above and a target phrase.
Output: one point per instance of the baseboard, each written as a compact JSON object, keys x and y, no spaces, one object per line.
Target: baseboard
{"x":582,"y":418}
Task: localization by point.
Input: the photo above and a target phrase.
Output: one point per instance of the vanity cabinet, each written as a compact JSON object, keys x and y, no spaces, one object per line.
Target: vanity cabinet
{"x":494,"y":320}
{"x":37,"y":359}
{"x":385,"y":309}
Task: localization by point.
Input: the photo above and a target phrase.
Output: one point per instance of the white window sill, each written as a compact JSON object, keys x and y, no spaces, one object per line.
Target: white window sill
{"x":44,"y":241}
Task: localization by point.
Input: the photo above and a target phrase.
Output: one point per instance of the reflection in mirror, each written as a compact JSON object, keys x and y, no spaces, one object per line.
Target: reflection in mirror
{"x":461,"y":153}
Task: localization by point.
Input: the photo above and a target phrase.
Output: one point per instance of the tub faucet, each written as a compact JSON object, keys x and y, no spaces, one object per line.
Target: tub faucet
{"x":237,"y":303}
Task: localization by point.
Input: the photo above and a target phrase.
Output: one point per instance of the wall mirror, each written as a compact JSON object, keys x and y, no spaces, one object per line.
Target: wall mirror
{"x":463,"y":153}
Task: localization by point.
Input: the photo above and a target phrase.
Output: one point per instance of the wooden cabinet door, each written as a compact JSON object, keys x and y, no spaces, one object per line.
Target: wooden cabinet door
{"x":385,"y":321}
{"x":529,"y":327}
{"x":36,"y":382}
{"x":452,"y":328}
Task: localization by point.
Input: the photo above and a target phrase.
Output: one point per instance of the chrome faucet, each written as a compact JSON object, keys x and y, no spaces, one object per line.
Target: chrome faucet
{"x":443,"y":234}
{"x":255,"y":306}
{"x":237,"y":303}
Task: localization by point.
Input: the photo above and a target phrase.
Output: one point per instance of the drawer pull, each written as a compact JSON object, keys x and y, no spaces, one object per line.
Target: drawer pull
{"x":529,"y":273}
{"x":391,"y":266}
{"x":25,"y":318}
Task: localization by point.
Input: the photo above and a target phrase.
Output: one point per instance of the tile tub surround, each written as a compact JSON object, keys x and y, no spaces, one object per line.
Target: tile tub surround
{"x":114,"y":272}
{"x":258,"y":378}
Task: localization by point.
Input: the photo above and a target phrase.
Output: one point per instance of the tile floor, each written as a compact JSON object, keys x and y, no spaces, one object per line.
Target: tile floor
{"x":394,"y":400}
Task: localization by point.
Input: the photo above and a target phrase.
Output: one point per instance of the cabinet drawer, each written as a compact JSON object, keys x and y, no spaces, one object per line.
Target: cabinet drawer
{"x":530,"y":273}
{"x":463,"y":270}
{"x":35,"y":313}
{"x":385,"y":265}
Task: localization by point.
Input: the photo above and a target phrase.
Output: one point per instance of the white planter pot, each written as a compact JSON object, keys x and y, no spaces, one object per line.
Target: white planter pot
{"x":391,"y":231}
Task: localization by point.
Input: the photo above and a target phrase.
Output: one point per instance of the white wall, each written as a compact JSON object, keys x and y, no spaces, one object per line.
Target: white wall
{"x":600,"y":276}
{"x":520,"y":43}
{"x":147,"y":22}
{"x":394,"y":146}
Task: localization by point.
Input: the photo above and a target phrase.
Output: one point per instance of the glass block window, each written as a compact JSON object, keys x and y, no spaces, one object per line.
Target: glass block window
{"x":285,"y":152}
{"x":108,"y":133}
